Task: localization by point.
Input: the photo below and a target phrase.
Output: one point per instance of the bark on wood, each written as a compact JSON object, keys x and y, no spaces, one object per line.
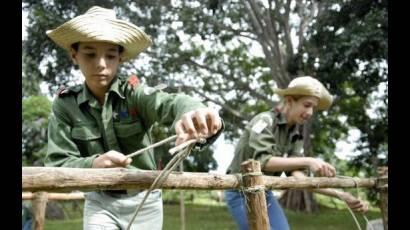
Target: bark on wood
{"x":71,"y":179}
{"x":39,"y":210}
{"x":382,"y":187}
{"x":181,"y":200}
{"x":55,"y":196}
{"x":255,"y":198}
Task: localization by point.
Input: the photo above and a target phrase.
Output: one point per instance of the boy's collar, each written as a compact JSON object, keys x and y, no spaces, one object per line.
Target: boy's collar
{"x":86,"y":95}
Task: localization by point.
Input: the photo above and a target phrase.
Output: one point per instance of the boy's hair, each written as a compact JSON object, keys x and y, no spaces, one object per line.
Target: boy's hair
{"x":296,"y":97}
{"x":75,"y":47}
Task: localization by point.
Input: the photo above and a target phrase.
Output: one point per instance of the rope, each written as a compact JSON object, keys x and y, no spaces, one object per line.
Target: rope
{"x":180,"y":156}
{"x":254,"y":189}
{"x":169,"y":139}
{"x":357,"y":196}
{"x":252,"y":174}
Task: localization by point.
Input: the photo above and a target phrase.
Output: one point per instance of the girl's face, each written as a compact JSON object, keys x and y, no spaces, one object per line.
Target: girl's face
{"x":301,"y":110}
{"x":98,"y":61}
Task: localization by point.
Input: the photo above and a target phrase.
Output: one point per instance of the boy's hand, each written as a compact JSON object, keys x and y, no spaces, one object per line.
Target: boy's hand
{"x":111,"y":159}
{"x":321,"y":168}
{"x":203,"y":122}
{"x":355,"y":204}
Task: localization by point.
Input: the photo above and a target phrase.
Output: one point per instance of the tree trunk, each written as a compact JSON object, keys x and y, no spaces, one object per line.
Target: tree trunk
{"x":301,"y":200}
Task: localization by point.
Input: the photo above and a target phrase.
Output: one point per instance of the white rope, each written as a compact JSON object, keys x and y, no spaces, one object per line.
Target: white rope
{"x":180,"y":156}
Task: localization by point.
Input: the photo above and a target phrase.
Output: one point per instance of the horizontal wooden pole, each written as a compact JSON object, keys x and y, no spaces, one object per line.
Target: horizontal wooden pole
{"x":70,"y":179}
{"x":55,"y":196}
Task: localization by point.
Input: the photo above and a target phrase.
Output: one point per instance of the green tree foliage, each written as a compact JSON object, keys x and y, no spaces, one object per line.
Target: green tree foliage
{"x":35,"y":112}
{"x":348,"y":50}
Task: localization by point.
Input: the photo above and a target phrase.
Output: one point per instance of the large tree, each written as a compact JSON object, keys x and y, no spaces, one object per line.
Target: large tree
{"x":231,"y":53}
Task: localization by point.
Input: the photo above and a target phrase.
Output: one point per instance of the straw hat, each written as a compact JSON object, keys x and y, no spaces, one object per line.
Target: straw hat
{"x":308,"y":86}
{"x":101,"y":25}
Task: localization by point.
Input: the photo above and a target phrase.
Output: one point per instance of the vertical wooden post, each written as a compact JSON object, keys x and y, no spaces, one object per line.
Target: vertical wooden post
{"x":382,"y":187}
{"x":254,"y":190}
{"x":181,"y":200}
{"x":39,"y":210}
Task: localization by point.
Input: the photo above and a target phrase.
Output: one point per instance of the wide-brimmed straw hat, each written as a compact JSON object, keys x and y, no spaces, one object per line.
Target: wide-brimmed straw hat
{"x":308,"y":86}
{"x":101,"y":25}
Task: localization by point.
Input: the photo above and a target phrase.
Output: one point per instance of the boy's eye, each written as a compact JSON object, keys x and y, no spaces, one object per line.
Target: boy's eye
{"x":91,"y":55}
{"x":307,"y":105}
{"x":111,"y":56}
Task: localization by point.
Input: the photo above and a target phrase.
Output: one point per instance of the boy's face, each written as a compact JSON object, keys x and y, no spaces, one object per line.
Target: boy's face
{"x":302,"y":109}
{"x":98,"y":61}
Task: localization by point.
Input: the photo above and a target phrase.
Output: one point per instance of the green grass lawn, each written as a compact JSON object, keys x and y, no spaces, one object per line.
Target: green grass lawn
{"x":203,"y":217}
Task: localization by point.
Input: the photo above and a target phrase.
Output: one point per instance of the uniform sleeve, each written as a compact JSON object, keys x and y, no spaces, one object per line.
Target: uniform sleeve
{"x":61,"y":149}
{"x":157,"y":106}
{"x":261,"y":140}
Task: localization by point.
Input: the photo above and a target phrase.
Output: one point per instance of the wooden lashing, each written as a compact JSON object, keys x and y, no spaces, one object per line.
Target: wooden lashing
{"x":253,"y":188}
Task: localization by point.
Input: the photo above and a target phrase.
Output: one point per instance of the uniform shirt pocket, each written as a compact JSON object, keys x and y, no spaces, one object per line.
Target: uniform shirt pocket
{"x":129,"y":135}
{"x":88,"y":139}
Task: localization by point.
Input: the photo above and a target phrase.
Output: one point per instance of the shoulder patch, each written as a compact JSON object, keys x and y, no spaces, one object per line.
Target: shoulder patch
{"x":268,"y":119}
{"x":133,"y":81}
{"x":61,"y":91}
{"x":259,"y":126}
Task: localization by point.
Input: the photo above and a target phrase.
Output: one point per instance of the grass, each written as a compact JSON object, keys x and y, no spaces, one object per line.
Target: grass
{"x":204,"y":217}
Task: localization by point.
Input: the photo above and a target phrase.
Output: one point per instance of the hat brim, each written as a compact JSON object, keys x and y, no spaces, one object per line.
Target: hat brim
{"x":325,"y":99}
{"x":91,"y":29}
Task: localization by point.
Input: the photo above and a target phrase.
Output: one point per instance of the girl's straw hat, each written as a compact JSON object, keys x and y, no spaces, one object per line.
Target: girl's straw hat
{"x":308,"y":86}
{"x":101,"y":25}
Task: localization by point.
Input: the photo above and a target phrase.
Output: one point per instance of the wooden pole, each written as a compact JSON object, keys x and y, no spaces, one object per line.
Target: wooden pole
{"x":254,"y":191}
{"x":181,"y":201}
{"x":382,"y":187}
{"x":39,"y":210}
{"x":55,"y":179}
{"x":55,"y":196}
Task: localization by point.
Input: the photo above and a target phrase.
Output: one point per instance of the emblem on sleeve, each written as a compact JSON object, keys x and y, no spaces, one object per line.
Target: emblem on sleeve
{"x":259,"y":126}
{"x":133,"y":81}
{"x":62,"y":90}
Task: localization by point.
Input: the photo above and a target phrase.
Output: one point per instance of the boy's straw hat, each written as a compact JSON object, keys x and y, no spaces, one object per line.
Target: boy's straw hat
{"x":308,"y":86}
{"x":101,"y":25}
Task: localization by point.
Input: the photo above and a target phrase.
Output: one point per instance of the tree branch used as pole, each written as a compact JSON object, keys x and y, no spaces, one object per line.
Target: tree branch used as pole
{"x":70,"y":179}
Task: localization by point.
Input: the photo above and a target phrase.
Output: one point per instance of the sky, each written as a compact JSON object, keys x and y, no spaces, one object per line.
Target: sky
{"x":223,"y":153}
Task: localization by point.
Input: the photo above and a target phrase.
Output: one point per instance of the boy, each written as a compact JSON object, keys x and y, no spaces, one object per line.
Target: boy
{"x":96,"y":124}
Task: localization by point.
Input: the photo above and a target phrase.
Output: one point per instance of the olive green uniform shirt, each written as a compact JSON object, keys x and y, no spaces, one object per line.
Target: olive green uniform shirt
{"x":265,"y":136}
{"x":80,"y":129}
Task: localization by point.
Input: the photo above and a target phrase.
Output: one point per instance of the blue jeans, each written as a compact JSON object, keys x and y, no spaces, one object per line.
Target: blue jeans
{"x":27,"y":224}
{"x":237,"y":207}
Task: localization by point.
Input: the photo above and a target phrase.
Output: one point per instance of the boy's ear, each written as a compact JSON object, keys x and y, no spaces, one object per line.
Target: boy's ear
{"x":73,"y":54}
{"x":289,"y":100}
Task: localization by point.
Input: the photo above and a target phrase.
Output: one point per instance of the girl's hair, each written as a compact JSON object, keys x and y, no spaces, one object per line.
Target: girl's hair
{"x":75,"y":47}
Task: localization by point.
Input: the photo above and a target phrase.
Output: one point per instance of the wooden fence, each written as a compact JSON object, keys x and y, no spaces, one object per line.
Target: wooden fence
{"x":251,"y":181}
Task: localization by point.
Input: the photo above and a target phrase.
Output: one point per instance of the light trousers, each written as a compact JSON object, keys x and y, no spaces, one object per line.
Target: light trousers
{"x":103,"y":211}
